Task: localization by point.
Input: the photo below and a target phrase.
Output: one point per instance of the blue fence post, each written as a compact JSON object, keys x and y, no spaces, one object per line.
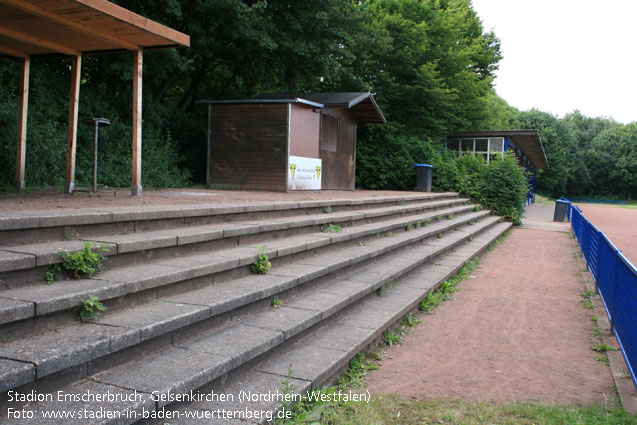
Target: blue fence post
{"x":613,"y":284}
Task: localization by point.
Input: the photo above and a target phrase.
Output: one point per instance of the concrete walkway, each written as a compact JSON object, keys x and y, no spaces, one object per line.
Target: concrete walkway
{"x":540,"y":217}
{"x":516,"y":330}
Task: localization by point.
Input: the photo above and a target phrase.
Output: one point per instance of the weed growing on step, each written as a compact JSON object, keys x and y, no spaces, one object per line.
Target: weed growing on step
{"x":53,"y":274}
{"x":361,"y":244}
{"x":401,"y":203}
{"x":85,"y":262}
{"x":262,"y":265}
{"x":418,"y":224}
{"x":314,"y":408}
{"x":276,"y":302}
{"x":332,"y":228}
{"x":358,"y":368}
{"x":408,"y":227}
{"x":450,"y":217}
{"x":91,"y":308}
{"x":443,"y":293}
{"x":70,"y":234}
{"x":390,"y":234}
{"x":287,"y":388}
{"x":381,"y":291}
{"x":439,"y":236}
{"x":327,"y":209}
{"x":603,"y":360}
{"x":410,"y":320}
{"x":499,"y":240}
{"x":601,"y":347}
{"x":392,"y":337}
{"x":477,"y":208}
{"x":586,"y":301}
{"x":439,"y":217}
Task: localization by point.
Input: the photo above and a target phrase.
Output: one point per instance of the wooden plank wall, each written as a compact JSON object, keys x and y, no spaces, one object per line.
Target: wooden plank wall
{"x":338,"y":149}
{"x":249,"y":146}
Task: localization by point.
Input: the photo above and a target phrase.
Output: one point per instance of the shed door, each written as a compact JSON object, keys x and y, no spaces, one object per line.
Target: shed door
{"x":328,"y":143}
{"x":346,"y":149}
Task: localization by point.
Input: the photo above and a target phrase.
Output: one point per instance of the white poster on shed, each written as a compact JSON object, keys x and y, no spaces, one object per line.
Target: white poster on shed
{"x":304,"y":173}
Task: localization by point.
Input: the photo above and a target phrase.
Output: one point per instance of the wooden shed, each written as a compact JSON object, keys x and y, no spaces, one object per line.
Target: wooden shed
{"x":287,"y":142}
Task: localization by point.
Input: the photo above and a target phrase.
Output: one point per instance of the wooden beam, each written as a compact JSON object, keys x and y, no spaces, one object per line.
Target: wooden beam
{"x":56,"y":47}
{"x":13,"y":52}
{"x":22,"y":124}
{"x":74,"y":103}
{"x":79,"y":26}
{"x":131,"y":18}
{"x":136,"y":189}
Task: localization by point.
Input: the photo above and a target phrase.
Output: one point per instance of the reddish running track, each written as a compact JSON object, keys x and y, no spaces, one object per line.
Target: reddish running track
{"x":619,"y":225}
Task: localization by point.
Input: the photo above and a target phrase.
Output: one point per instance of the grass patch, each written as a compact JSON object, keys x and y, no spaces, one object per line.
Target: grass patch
{"x":395,"y":409}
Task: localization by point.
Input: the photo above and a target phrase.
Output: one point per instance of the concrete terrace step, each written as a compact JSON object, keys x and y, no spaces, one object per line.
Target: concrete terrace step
{"x":191,"y":363}
{"x":27,"y":226}
{"x":119,"y":282}
{"x":80,"y":343}
{"x":31,"y":255}
{"x":317,"y":358}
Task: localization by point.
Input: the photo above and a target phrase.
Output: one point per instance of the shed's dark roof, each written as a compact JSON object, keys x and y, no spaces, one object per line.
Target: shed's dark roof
{"x":362,"y":104}
{"x":528,"y":141}
{"x":261,"y":100}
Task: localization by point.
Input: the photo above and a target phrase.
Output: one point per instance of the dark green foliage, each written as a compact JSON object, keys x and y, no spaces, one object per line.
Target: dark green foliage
{"x":504,"y":188}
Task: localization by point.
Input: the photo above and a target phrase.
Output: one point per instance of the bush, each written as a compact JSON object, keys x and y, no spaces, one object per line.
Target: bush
{"x":504,"y":188}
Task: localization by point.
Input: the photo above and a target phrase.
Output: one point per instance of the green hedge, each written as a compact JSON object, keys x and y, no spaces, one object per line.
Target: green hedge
{"x":385,"y":160}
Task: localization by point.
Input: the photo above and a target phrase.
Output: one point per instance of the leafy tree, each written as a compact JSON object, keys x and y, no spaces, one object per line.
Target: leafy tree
{"x":616,"y":149}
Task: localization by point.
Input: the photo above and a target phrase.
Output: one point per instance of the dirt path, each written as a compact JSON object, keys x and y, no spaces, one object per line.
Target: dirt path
{"x":619,"y":224}
{"x":515,"y":331}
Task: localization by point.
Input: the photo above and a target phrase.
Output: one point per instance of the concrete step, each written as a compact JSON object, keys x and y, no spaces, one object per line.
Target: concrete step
{"x":156,"y":279}
{"x":191,"y":362}
{"x":57,"y":225}
{"x":130,"y":248}
{"x":319,"y":357}
{"x":77,"y":344}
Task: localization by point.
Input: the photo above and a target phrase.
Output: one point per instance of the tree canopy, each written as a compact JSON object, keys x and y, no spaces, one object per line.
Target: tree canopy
{"x":430,"y":63}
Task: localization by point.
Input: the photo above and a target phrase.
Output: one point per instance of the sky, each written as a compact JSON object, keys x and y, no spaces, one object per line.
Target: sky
{"x":563,"y":55}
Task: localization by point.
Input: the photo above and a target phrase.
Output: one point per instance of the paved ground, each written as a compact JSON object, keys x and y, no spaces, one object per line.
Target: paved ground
{"x":515,"y":331}
{"x":47,"y":200}
{"x":619,"y":224}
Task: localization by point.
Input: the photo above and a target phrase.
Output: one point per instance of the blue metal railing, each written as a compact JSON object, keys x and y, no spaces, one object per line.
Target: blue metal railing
{"x":616,"y":280}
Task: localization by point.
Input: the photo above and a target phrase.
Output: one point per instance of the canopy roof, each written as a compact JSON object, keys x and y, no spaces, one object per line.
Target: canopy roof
{"x":528,"y":141}
{"x":72,"y":27}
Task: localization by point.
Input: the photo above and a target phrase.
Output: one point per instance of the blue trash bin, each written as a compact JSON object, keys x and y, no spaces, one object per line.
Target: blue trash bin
{"x":424,"y":173}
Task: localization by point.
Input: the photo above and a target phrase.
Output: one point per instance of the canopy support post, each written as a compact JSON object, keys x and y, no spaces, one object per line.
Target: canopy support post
{"x":22,"y":124}
{"x":136,"y":189}
{"x":74,"y":104}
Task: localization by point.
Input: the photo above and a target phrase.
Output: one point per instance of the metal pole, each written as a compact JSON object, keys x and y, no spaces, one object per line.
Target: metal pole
{"x":97,"y":126}
{"x":208,"y":142}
